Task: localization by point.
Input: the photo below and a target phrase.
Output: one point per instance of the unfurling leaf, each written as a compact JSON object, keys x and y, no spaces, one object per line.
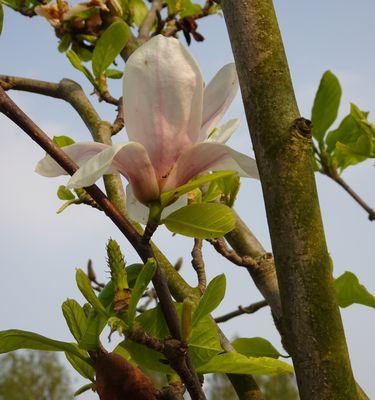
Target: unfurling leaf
{"x":186,"y":320}
{"x":109,"y":46}
{"x":63,"y":140}
{"x":140,"y":286}
{"x":75,"y":318}
{"x":211,"y":298}
{"x":203,"y":221}
{"x":85,"y":288}
{"x":349,"y":291}
{"x":63,"y":193}
{"x":326,"y":105}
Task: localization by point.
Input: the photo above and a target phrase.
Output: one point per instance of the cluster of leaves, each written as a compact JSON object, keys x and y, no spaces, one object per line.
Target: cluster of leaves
{"x":116,"y":306}
{"x":349,"y":144}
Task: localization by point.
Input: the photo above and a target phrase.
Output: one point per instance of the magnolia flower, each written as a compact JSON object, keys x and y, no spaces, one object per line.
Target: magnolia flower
{"x":169,"y":116}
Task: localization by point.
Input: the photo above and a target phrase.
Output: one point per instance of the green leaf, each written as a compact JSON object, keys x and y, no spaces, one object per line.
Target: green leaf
{"x":15,"y":339}
{"x":95,"y":325}
{"x":63,"y":141}
{"x":236,"y":363}
{"x":63,"y":193}
{"x":349,"y":291}
{"x":109,"y":45}
{"x":84,"y":389}
{"x":64,"y":43}
{"x":75,"y":318}
{"x":188,"y":8}
{"x":113,"y":73}
{"x":1,"y":18}
{"x":84,"y":368}
{"x":85,"y":288}
{"x":203,"y":221}
{"x":255,"y":347}
{"x":138,"y":10}
{"x":167,"y":197}
{"x":132,"y":271}
{"x":76,"y":62}
{"x":211,"y":298}
{"x":326,"y":105}
{"x":140,"y":286}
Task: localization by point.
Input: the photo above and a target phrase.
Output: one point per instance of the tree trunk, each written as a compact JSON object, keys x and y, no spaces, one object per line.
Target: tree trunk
{"x":282,"y":145}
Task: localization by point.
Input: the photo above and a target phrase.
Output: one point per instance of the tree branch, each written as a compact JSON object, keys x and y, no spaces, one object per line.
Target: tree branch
{"x":12,"y":111}
{"x":282,"y":145}
{"x":251,"y":309}
{"x":198,"y":264}
{"x":148,"y":22}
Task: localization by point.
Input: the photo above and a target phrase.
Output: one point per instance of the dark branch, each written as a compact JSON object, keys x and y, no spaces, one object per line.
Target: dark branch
{"x":144,"y":250}
{"x":222,"y":248}
{"x":119,"y":122}
{"x":251,"y":309}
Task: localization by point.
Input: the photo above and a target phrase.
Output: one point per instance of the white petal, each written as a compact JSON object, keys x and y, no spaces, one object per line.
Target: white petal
{"x":163,"y":95}
{"x":78,"y":152}
{"x":136,"y":210}
{"x":218,"y":95}
{"x":139,"y":212}
{"x":131,"y":160}
{"x":224,"y":133}
{"x":209,"y":157}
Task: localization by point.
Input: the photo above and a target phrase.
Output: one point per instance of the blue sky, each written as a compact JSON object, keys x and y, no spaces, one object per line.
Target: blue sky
{"x":40,"y":250}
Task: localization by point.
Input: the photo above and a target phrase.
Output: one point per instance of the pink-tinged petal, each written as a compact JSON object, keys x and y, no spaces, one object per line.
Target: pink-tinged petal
{"x":163,"y":95}
{"x":224,"y":132}
{"x":129,"y":159}
{"x":78,"y":152}
{"x":218,"y":95}
{"x":139,"y":212}
{"x":209,"y":157}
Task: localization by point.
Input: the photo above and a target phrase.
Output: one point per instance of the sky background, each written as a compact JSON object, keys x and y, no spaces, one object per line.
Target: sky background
{"x":40,"y":250}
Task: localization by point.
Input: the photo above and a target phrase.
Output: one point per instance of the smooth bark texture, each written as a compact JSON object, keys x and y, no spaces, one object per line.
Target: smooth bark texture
{"x":282,"y":143}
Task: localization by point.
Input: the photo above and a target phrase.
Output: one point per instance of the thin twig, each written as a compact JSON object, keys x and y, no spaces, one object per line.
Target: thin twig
{"x":198,"y":264}
{"x":119,"y":122}
{"x":371,"y":211}
{"x":222,"y":248}
{"x":148,"y":22}
{"x":144,"y":250}
{"x":179,"y":23}
{"x":251,"y":309}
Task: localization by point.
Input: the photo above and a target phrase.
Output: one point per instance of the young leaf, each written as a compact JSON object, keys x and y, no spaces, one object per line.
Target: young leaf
{"x":76,"y":62}
{"x":109,"y":45}
{"x":84,"y":389}
{"x":326,"y":105}
{"x":75,"y":318}
{"x":203,"y":221}
{"x":63,"y":140}
{"x":63,"y":193}
{"x":211,"y":298}
{"x":186,"y":320}
{"x":138,"y":11}
{"x":349,"y":291}
{"x":95,"y":325}
{"x":167,"y":197}
{"x":255,"y":347}
{"x":85,"y":288}
{"x":236,"y":363}
{"x":15,"y":339}
{"x":140,"y":286}
{"x":113,"y":74}
{"x":84,"y":368}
